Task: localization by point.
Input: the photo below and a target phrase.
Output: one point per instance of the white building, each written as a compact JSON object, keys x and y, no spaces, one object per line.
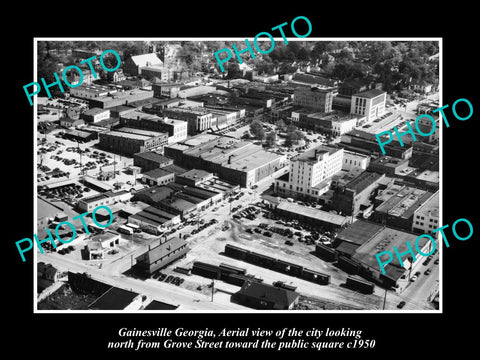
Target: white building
{"x":310,"y":173}
{"x":352,"y":160}
{"x":370,"y":103}
{"x":426,"y":217}
{"x":180,"y":130}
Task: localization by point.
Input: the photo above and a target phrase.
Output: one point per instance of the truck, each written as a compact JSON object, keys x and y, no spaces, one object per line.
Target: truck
{"x":125,"y":230}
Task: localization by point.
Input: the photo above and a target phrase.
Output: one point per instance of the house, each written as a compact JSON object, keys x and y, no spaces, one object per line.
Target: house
{"x":71,"y":123}
{"x":263,"y":296}
{"x":133,"y":65}
{"x":47,"y":271}
{"x":420,"y":86}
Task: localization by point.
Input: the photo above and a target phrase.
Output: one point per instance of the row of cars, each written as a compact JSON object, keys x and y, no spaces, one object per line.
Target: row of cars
{"x":248,"y":213}
{"x":175,"y":280}
{"x":203,"y":226}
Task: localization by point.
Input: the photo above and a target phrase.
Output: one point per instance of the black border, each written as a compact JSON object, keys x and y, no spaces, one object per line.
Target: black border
{"x":407,"y":334}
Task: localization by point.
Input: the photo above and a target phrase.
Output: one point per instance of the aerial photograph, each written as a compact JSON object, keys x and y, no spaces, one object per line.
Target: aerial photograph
{"x":166,"y":184}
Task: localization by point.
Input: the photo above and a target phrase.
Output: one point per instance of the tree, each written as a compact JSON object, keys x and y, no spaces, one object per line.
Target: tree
{"x":271,"y":138}
{"x":257,"y":130}
{"x":281,"y":125}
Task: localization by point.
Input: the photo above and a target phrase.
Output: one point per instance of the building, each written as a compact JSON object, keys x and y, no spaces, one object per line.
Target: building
{"x":358,"y":244}
{"x":158,"y":177}
{"x":364,"y":142}
{"x":153,"y":220}
{"x":314,"y":98}
{"x":199,"y":119}
{"x":150,"y":160}
{"x":94,"y":115}
{"x":314,"y":217}
{"x":71,"y":123}
{"x":233,"y":160}
{"x":194,"y":177}
{"x":188,"y":91}
{"x":177,"y":129}
{"x":166,"y":90}
{"x":265,"y":297}
{"x":91,"y":91}
{"x":116,"y":299}
{"x":134,"y":64}
{"x":118,"y":98}
{"x":334,"y":123}
{"x":426,"y":217}
{"x":370,"y":103}
{"x":354,"y":196}
{"x":88,"y":204}
{"x":162,"y":255}
{"x":389,"y":165}
{"x":315,"y":80}
{"x":353,"y":160}
{"x":130,"y":141}
{"x":47,"y":272}
{"x":309,"y":172}
{"x":399,"y":206}
{"x":420,"y":86}
{"x":178,"y":199}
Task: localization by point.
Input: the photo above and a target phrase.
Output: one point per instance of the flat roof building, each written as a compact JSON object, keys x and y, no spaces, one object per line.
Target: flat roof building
{"x":362,"y":240}
{"x":130,"y":141}
{"x":311,"y":216}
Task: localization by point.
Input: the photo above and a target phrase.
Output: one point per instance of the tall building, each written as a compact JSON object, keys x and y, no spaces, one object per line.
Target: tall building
{"x":314,"y":98}
{"x":309,"y":172}
{"x":370,"y":103}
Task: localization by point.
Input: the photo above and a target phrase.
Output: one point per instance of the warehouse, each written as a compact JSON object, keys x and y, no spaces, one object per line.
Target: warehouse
{"x":161,"y":255}
{"x":358,"y":244}
{"x":153,"y":220}
{"x":150,"y":160}
{"x":131,"y":141}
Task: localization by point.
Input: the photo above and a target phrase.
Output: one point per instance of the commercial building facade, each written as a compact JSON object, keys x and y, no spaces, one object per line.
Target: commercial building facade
{"x":132,"y":141}
{"x":308,"y":172}
{"x":370,"y":103}
{"x":314,"y":98}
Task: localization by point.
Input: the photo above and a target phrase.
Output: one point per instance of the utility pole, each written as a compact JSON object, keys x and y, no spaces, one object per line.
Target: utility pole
{"x":213,"y":288}
{"x":385,"y":299}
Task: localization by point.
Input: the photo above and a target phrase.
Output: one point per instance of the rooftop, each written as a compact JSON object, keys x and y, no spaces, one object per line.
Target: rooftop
{"x":157,"y":173}
{"x":313,"y":213}
{"x":114,"y":299}
{"x":312,"y":154}
{"x":430,"y":207}
{"x":370,"y":94}
{"x":153,"y":156}
{"x":363,"y":181}
{"x":148,"y":133}
{"x":404,"y":202}
{"x":282,"y":298}
{"x":162,"y":250}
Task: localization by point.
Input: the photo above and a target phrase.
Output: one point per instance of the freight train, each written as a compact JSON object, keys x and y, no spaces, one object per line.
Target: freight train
{"x":274,"y":264}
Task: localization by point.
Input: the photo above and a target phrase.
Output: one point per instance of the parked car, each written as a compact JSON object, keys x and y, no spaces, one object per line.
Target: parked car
{"x":289,"y":243}
{"x":401,"y":304}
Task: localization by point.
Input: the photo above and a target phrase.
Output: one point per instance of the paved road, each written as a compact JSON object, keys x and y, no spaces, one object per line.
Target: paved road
{"x":186,"y":299}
